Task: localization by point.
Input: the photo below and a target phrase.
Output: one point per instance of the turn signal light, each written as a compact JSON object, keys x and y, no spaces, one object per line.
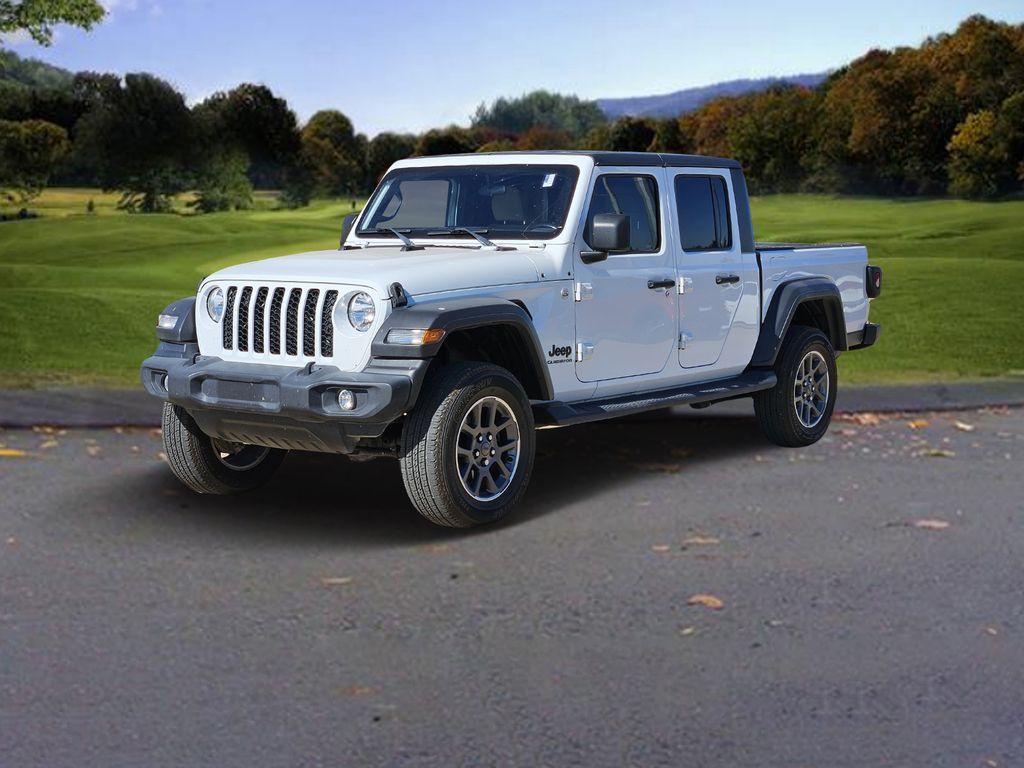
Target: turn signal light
{"x":414,"y":337}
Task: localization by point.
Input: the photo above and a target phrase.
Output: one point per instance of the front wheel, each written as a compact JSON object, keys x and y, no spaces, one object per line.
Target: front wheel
{"x":207,"y":465}
{"x":796,"y":412}
{"x":467,"y":447}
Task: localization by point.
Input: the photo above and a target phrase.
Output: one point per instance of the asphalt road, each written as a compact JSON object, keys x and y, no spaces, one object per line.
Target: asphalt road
{"x":872,"y":590}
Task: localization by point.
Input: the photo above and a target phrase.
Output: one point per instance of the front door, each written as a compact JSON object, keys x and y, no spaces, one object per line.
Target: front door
{"x":625,"y":314}
{"x":715,"y":276}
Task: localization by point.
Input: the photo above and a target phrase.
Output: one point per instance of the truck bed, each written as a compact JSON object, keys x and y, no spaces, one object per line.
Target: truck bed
{"x":842,"y":263}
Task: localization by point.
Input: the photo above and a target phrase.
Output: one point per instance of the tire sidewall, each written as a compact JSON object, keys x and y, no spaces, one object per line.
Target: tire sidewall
{"x":509,"y":390}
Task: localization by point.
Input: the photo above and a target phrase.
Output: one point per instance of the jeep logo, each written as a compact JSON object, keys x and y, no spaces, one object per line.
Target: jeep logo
{"x":559,"y":351}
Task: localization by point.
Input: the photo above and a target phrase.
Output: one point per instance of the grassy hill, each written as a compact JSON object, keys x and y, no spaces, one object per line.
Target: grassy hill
{"x":79,"y":294}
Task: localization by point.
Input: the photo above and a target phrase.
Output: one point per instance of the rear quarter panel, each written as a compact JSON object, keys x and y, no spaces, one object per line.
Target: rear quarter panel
{"x":844,"y":265}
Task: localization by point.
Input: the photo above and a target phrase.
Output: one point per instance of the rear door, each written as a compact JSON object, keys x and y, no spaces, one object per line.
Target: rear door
{"x":623,"y":326}
{"x":715,"y":276}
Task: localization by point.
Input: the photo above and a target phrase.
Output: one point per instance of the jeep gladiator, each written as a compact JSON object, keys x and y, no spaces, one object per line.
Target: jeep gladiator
{"x":480,"y":297}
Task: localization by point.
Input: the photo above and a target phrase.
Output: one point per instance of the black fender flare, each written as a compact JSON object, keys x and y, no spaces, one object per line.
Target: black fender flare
{"x":184,"y":329}
{"x":783,"y":306}
{"x":452,"y":315}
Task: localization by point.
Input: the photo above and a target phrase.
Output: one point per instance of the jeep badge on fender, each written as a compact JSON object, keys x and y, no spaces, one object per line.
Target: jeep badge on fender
{"x":432,"y":334}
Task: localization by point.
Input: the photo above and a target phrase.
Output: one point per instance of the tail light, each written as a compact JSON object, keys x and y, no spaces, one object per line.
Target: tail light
{"x":873,"y":282}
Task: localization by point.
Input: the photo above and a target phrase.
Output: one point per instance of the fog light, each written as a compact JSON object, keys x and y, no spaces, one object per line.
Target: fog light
{"x":346,"y":399}
{"x":162,"y":382}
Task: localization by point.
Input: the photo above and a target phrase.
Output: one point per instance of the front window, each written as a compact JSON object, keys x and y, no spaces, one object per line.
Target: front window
{"x":498,"y":201}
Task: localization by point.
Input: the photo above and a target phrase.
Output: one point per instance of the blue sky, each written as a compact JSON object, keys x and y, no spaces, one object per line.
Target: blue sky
{"x":403,"y":65}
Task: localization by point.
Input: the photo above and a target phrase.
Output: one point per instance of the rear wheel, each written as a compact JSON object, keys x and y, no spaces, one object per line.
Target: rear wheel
{"x":797,"y":411}
{"x":467,"y":447}
{"x":209,"y":465}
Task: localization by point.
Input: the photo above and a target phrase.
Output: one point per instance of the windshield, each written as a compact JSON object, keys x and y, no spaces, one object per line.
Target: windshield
{"x":499,"y":201}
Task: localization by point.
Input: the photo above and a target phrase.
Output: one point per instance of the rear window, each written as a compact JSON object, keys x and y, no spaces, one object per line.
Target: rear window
{"x":702,"y":203}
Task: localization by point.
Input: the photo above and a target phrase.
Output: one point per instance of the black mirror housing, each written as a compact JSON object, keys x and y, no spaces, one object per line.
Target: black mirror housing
{"x":610,"y":232}
{"x":346,"y":226}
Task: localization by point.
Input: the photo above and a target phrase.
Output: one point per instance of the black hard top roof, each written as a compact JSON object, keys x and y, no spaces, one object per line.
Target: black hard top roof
{"x":650,"y":159}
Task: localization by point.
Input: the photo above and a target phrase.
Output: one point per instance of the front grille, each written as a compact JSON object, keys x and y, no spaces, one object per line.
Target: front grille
{"x":274,"y":320}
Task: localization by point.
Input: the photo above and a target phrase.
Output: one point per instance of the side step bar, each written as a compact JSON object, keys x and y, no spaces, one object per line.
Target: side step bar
{"x":555,"y":413}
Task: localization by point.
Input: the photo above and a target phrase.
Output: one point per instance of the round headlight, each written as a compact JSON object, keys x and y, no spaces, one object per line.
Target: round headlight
{"x":215,"y":304}
{"x":361,"y":311}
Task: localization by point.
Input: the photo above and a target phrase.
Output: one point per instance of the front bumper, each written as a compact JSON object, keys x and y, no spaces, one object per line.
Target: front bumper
{"x":281,"y":406}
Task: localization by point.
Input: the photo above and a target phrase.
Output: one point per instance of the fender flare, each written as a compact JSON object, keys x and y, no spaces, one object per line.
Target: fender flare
{"x":783,"y":306}
{"x":459,"y":315}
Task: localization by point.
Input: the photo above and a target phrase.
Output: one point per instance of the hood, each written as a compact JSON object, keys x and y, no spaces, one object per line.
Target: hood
{"x":431,"y":270}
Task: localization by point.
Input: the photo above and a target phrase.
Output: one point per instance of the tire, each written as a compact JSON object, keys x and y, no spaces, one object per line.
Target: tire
{"x":198,"y":463}
{"x":777,"y":408}
{"x":439,"y":469}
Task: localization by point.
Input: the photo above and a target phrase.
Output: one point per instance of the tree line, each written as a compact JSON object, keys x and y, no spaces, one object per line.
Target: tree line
{"x":944,"y":117}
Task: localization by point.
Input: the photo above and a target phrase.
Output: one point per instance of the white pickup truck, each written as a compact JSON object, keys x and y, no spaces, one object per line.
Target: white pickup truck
{"x":480,"y":297}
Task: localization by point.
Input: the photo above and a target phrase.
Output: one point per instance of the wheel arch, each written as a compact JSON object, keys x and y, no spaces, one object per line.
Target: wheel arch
{"x":812,"y":301}
{"x":493,"y":330}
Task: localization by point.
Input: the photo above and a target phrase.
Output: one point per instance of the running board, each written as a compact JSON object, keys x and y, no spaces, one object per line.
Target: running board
{"x":560,"y":414}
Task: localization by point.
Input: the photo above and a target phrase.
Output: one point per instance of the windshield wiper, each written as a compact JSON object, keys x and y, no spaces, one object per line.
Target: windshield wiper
{"x":476,"y":235}
{"x":407,"y":244}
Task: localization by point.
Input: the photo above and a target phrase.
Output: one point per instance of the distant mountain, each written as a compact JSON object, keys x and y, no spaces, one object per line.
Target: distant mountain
{"x":689,"y":99}
{"x":31,"y":73}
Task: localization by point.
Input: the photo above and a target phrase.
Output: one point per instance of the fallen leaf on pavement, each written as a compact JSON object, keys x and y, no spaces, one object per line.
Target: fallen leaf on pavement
{"x":698,"y":541}
{"x":161,"y":456}
{"x":357,"y":690}
{"x":865,"y":419}
{"x":660,"y":548}
{"x":687,"y":631}
{"x":12,"y":541}
{"x":963,"y":426}
{"x":334,"y":581}
{"x":938,"y":453}
{"x":708,"y":601}
{"x":11,"y":453}
{"x":48,"y":444}
{"x":931,"y":525}
{"x":94,"y":450}
{"x":992,"y":630}
{"x":918,"y":423}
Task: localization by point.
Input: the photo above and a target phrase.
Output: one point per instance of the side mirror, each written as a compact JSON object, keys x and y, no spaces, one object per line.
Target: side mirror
{"x":346,"y":226}
{"x":610,"y":232}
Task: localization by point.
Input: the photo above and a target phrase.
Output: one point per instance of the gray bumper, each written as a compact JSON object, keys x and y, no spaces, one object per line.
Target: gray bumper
{"x":282,"y":406}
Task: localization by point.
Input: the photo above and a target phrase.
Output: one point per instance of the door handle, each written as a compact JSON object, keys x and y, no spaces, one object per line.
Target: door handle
{"x":726,"y":279}
{"x":666,"y":283}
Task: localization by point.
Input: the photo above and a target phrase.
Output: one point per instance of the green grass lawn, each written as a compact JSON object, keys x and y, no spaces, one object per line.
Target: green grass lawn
{"x":79,"y":293}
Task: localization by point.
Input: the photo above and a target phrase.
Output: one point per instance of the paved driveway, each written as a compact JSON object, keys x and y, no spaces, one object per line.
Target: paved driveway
{"x":872,"y":613}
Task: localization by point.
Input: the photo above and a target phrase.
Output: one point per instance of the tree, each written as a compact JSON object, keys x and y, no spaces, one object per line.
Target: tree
{"x":252,"y":119}
{"x":543,"y":137}
{"x":631,"y":134}
{"x":29,"y":151}
{"x":773,"y":137}
{"x":37,"y":17}
{"x":986,"y":154}
{"x":452,"y":140}
{"x":569,"y":114}
{"x":334,"y":153}
{"x":140,"y":139}
{"x":222,"y":184}
{"x":385,"y":149}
